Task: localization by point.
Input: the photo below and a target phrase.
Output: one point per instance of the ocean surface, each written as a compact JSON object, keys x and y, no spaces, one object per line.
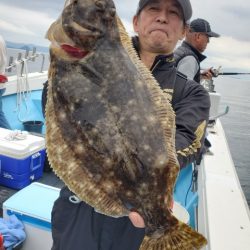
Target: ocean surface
{"x":235,"y":93}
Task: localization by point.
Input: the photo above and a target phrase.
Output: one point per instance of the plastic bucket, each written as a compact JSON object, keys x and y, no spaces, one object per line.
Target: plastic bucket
{"x":33,"y":126}
{"x":181,"y":213}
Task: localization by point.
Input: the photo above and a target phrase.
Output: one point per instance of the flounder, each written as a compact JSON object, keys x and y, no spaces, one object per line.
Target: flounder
{"x":110,"y":128}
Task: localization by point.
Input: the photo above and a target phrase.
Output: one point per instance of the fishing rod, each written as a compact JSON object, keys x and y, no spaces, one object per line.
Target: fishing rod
{"x":217,"y":72}
{"x":232,"y":73}
{"x":208,"y":83}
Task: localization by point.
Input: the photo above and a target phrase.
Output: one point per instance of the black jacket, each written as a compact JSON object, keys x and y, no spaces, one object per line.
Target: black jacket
{"x":187,"y":50}
{"x":190,"y":102}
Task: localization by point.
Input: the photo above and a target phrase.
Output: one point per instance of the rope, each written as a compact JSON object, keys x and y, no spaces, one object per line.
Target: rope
{"x":23,"y":88}
{"x":16,"y":135}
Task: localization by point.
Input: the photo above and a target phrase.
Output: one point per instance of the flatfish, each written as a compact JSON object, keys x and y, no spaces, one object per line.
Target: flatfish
{"x":110,"y":128}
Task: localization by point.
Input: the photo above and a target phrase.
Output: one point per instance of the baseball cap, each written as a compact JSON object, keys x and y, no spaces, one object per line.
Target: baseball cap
{"x":185,"y":5}
{"x":202,"y":26}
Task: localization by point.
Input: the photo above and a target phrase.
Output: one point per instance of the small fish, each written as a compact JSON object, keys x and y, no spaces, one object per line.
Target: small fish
{"x":110,"y":128}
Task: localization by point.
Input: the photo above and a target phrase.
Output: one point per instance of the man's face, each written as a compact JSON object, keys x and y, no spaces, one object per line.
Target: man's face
{"x":159,"y":26}
{"x":202,"y":41}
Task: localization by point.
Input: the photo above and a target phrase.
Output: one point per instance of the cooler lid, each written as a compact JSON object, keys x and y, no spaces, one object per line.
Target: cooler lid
{"x":20,"y":146}
{"x":35,"y":200}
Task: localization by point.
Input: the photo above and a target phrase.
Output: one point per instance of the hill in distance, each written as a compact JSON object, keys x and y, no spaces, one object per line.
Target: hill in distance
{"x":29,"y":47}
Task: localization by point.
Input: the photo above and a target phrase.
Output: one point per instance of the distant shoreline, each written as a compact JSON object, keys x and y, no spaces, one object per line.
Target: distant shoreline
{"x":29,"y":47}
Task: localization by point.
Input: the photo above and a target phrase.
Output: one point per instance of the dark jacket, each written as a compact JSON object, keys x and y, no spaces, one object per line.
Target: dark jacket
{"x":187,"y":50}
{"x":190,"y":102}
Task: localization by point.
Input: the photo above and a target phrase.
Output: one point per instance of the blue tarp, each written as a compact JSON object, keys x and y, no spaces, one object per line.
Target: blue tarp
{"x":12,"y":230}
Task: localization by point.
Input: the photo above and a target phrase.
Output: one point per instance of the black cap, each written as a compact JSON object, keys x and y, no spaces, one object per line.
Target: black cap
{"x":185,"y":5}
{"x":202,"y":26}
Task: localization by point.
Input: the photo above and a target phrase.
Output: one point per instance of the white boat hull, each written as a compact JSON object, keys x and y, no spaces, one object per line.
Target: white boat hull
{"x":223,"y":213}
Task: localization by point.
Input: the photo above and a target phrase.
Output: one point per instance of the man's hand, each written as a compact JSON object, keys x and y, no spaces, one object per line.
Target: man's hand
{"x":136,"y":220}
{"x":3,"y":79}
{"x":207,"y":74}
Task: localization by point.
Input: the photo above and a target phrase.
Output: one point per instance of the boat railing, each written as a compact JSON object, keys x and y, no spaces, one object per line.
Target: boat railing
{"x":20,"y":60}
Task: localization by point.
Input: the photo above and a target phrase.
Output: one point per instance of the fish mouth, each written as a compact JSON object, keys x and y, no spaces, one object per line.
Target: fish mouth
{"x":83,"y":36}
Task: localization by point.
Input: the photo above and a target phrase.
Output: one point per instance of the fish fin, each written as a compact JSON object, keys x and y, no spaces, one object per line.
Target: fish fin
{"x":162,"y":107}
{"x":182,"y":237}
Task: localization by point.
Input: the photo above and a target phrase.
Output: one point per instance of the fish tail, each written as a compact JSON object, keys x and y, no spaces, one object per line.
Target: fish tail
{"x":182,"y":237}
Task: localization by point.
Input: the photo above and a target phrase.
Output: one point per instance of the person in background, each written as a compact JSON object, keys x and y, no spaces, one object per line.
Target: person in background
{"x":3,"y":79}
{"x":159,"y":25}
{"x":189,"y":55}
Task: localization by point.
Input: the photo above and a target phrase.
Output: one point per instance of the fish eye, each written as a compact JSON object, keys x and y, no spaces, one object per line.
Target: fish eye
{"x":100,"y":4}
{"x":112,"y":12}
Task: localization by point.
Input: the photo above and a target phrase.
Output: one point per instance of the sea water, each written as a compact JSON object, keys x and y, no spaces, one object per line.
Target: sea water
{"x":235,"y":93}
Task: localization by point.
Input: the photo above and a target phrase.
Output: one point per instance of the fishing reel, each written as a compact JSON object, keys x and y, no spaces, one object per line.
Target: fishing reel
{"x":215,"y":72}
{"x":208,"y":84}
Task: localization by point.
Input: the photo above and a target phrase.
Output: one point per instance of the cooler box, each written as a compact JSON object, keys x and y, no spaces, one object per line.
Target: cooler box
{"x":33,"y":205}
{"x":21,"y":159}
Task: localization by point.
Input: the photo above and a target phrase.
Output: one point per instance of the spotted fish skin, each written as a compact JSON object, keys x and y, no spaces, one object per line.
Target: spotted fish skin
{"x":110,"y":129}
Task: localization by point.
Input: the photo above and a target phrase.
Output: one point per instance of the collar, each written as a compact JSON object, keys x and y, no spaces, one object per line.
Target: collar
{"x":200,"y":56}
{"x":167,"y":60}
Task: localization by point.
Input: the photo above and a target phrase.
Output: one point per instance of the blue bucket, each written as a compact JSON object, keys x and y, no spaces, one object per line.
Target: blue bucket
{"x":33,"y":126}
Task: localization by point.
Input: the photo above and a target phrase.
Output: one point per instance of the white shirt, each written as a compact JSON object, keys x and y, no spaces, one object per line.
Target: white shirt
{"x":3,"y":59}
{"x":188,"y":66}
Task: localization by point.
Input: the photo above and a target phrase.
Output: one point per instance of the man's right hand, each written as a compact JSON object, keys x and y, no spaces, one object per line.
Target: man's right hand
{"x":207,"y":74}
{"x":136,"y":219}
{"x":3,"y":79}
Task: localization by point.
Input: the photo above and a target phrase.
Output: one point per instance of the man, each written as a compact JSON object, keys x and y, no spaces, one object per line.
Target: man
{"x":3,"y":60}
{"x":159,"y":24}
{"x":189,"y":55}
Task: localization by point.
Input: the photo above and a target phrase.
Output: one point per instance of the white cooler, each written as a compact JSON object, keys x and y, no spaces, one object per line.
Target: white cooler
{"x":33,"y":205}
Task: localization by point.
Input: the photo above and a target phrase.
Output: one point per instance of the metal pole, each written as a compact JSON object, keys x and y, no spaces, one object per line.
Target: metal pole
{"x":34,"y":54}
{"x":43,"y":60}
{"x":10,"y":64}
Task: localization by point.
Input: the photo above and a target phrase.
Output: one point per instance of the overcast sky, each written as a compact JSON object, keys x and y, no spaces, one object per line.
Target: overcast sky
{"x":28,"y":20}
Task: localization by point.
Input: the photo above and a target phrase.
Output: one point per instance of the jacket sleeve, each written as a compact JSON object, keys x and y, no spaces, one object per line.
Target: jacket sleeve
{"x":3,"y":56}
{"x":192,"y":113}
{"x":188,"y":66}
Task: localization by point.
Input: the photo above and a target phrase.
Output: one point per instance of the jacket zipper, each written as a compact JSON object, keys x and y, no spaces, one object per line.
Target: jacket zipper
{"x":155,"y":66}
